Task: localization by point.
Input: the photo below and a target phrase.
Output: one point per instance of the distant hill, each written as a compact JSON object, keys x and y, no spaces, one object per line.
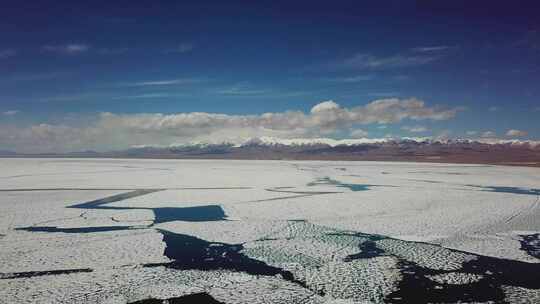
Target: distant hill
{"x":522,"y":153}
{"x":7,"y":153}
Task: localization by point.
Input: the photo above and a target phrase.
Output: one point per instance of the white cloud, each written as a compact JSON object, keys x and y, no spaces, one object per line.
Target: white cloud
{"x":351,"y":79}
{"x":488,"y":134}
{"x":182,"y":48}
{"x":178,"y":81}
{"x":11,"y":112}
{"x":243,"y":89}
{"x":110,"y":131}
{"x":427,"y":49}
{"x":253,"y":93}
{"x":493,"y":109}
{"x":6,"y":53}
{"x":471,"y":133}
{"x":329,"y":105}
{"x":368,"y":61}
{"x":444,"y":135}
{"x":414,"y":129}
{"x":358,"y":133}
{"x":69,"y":49}
{"x":148,"y":96}
{"x":516,"y":133}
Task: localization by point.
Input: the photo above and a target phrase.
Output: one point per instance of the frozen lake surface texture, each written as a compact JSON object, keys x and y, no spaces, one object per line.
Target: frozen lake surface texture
{"x":196,"y":231}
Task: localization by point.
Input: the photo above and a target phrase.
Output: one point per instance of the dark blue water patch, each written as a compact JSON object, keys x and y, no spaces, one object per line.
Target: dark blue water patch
{"x":531,"y":244}
{"x":368,"y":249}
{"x":495,"y":273}
{"x":161,"y":214}
{"x":196,"y":298}
{"x":355,"y":187}
{"x":352,"y":187}
{"x":189,"y":214}
{"x":186,"y":214}
{"x":512,"y":190}
{"x":189,"y":252}
{"x":30,"y":274}
{"x":265,"y":239}
{"x":425,"y":181}
{"x":53,"y":229}
{"x":416,"y":286}
{"x":368,"y":246}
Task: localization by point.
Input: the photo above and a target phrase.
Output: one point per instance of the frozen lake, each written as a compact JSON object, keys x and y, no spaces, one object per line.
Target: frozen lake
{"x":196,"y":231}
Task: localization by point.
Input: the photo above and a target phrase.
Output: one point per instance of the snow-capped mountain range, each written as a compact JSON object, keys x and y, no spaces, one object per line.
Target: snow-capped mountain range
{"x":299,"y":142}
{"x":484,"y":151}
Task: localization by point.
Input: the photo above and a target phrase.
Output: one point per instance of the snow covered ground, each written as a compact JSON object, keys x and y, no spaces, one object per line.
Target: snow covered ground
{"x":125,"y":231}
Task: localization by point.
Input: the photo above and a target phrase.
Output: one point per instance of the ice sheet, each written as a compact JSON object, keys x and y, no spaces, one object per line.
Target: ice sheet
{"x":344,"y":231}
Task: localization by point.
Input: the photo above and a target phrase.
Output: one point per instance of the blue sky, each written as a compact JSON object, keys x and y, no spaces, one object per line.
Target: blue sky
{"x":65,"y":63}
